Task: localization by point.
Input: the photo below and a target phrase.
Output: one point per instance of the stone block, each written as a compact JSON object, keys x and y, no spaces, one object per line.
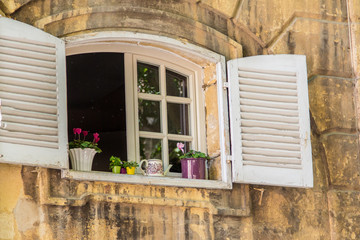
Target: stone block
{"x":287,"y":213}
{"x":342,"y":155}
{"x":332,"y":103}
{"x":212,"y":121}
{"x":344,"y":214}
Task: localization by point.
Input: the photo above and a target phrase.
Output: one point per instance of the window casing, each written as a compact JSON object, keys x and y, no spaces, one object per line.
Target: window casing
{"x":190,"y":105}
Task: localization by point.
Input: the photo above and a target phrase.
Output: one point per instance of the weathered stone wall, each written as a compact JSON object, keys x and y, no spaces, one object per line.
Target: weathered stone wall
{"x":38,"y":204}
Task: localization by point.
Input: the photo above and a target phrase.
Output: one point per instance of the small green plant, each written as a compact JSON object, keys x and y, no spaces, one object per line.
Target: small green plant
{"x":191,"y":153}
{"x":130,"y":164}
{"x":116,"y":161}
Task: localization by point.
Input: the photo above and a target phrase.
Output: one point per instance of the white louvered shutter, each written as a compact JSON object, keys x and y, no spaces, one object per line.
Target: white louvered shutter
{"x":33,"y":96}
{"x":269,"y":117}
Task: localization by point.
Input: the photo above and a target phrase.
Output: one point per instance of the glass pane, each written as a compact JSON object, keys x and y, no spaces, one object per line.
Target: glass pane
{"x":174,"y":155}
{"x":178,"y":118}
{"x":149,"y":116}
{"x":148,"y":78}
{"x":176,"y":84}
{"x":150,"y":148}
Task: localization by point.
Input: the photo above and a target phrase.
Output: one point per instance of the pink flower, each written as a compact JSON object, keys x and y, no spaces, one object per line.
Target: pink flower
{"x":85,"y":133}
{"x":180,"y":146}
{"x":96,"y":135}
{"x":96,"y":140}
{"x":78,"y":130}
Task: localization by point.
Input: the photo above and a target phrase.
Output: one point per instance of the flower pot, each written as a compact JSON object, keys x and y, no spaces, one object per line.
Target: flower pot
{"x":123,"y":170}
{"x":116,"y":169}
{"x":82,"y":159}
{"x":130,"y":170}
{"x":193,"y":168}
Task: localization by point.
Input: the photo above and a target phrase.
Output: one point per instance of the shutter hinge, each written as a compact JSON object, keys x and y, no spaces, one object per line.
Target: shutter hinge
{"x":228,"y":159}
{"x":1,"y":155}
{"x":225,"y":85}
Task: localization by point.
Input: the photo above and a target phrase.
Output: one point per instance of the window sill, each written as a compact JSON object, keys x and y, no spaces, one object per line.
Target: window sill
{"x":144,"y":180}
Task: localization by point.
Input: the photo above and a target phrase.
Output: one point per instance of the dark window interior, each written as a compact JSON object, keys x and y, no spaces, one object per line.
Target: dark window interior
{"x":96,"y":102}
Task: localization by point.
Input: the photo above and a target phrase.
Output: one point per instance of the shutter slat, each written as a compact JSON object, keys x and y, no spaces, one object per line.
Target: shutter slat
{"x":267,"y":159}
{"x":268,"y":90}
{"x":261,"y":103}
{"x":27,"y":68}
{"x":13,"y":43}
{"x":33,"y":107}
{"x":274,"y":165}
{"x":28,"y":41}
{"x":273,"y":71}
{"x":269,"y":97}
{"x":270,"y":138}
{"x":267,"y":83}
{"x":32,"y":62}
{"x":15,"y":112}
{"x":270,"y":131}
{"x":269,"y":124}
{"x":265,"y":117}
{"x":27,"y":75}
{"x":43,"y":138}
{"x":28,"y":142}
{"x":272,"y":145}
{"x":28,"y":128}
{"x":28,"y":98}
{"x":13,"y":88}
{"x":9,"y":81}
{"x":28,"y":54}
{"x":269,"y":116}
{"x":271,"y":152}
{"x":278,"y":78}
{"x":264,"y":110}
{"x":30,"y":121}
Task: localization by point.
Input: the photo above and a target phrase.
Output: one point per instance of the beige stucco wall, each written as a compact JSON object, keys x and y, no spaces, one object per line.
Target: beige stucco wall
{"x":37,"y":203}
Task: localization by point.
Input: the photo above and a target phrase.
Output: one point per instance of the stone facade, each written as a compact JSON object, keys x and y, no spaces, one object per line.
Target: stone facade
{"x":35,"y":203}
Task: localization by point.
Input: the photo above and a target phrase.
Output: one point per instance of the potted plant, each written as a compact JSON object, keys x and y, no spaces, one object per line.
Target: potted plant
{"x":82,"y":152}
{"x":192,"y":163}
{"x":116,"y":164}
{"x":130,"y":167}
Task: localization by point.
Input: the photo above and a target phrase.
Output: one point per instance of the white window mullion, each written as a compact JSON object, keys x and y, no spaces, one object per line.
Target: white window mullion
{"x":130,"y":110}
{"x":164,"y":122}
{"x":136,"y":107}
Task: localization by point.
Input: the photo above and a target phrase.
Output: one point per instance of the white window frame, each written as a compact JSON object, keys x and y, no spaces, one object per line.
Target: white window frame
{"x":137,"y":46}
{"x":164,"y":136}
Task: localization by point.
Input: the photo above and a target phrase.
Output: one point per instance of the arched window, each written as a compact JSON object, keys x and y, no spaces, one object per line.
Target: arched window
{"x":141,"y":100}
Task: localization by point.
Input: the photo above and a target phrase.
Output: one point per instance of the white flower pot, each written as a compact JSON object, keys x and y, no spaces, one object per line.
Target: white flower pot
{"x":82,"y":159}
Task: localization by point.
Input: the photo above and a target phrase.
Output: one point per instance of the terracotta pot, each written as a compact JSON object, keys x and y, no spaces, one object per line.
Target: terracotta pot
{"x":82,"y":159}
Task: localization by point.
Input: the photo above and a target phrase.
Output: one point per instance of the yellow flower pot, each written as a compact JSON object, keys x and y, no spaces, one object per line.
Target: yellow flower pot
{"x":130,"y":170}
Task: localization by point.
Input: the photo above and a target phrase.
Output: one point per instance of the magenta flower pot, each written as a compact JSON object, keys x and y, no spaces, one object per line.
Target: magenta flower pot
{"x":193,"y":168}
{"x":123,"y":171}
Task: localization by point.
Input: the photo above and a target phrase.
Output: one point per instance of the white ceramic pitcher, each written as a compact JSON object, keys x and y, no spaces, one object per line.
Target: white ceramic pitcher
{"x":154,"y":167}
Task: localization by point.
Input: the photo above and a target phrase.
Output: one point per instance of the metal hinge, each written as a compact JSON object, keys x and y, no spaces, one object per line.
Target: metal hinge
{"x":225,"y":85}
{"x":228,"y":159}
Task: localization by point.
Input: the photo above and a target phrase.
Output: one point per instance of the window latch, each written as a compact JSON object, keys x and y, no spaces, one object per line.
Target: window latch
{"x":225,"y":85}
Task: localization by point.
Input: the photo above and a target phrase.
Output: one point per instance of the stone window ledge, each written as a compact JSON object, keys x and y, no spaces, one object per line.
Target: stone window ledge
{"x":144,"y":180}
